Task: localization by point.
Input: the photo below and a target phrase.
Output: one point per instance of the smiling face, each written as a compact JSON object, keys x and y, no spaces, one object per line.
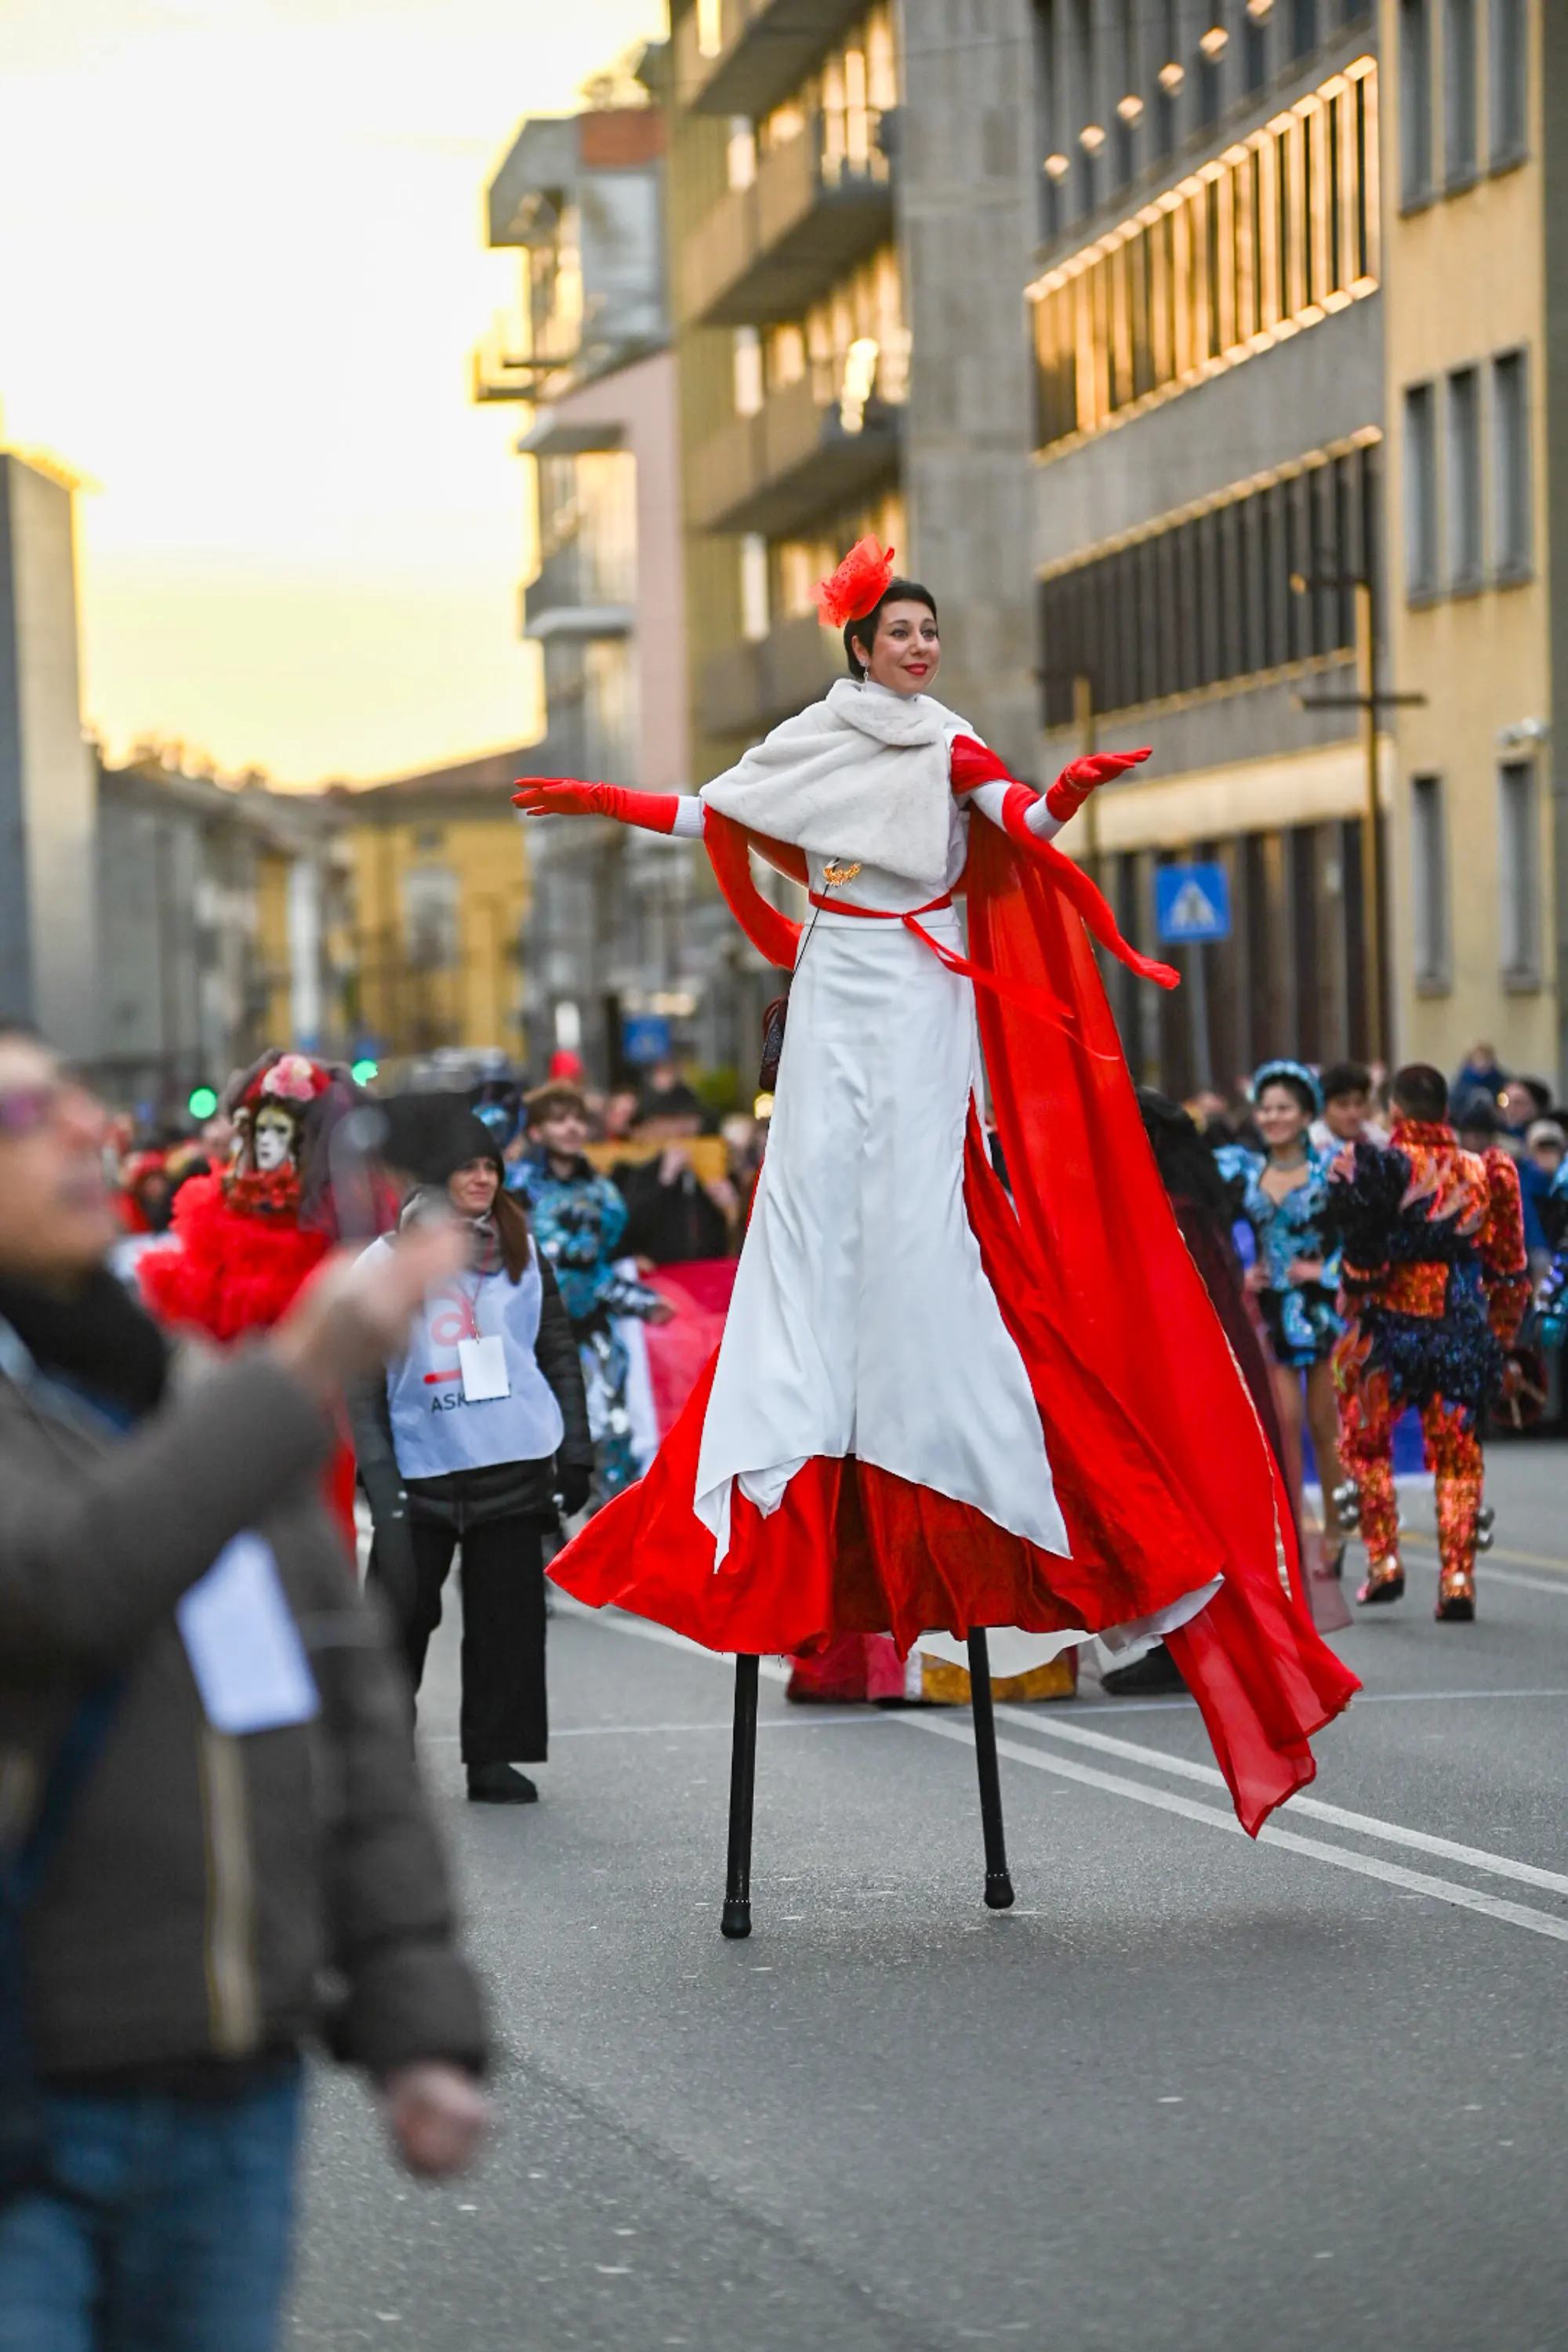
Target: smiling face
{"x":471,"y":1189}
{"x":564,"y":1133}
{"x":906,"y":650}
{"x":1281,"y":1120}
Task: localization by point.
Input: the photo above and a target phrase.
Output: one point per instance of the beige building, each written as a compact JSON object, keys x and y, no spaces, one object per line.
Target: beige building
{"x":435,"y":893}
{"x":1475,"y":101}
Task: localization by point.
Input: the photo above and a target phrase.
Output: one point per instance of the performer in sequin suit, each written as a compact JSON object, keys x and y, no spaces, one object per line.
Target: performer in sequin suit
{"x":1433,"y":1286}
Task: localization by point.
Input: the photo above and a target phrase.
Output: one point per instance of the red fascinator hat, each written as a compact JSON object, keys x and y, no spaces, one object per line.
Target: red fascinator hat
{"x":857,"y":586}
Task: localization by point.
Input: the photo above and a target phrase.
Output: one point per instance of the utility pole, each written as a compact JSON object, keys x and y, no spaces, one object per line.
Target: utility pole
{"x":1083,"y":721}
{"x":1369,"y":702}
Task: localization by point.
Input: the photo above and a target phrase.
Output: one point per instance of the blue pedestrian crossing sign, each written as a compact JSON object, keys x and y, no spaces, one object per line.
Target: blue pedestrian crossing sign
{"x":1192,"y":902}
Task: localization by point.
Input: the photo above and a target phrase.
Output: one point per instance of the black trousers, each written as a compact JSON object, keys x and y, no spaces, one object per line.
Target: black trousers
{"x":504,"y":1719}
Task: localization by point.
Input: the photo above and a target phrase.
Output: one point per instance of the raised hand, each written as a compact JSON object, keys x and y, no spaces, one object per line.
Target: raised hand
{"x":1079,"y":777}
{"x":562,"y":796}
{"x":567,"y":796}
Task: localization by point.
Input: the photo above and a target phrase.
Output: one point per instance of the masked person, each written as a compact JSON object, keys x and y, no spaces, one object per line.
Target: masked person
{"x":246,"y":1240}
{"x":476,"y":1438}
{"x":933,"y":1411}
{"x":1434,"y":1282}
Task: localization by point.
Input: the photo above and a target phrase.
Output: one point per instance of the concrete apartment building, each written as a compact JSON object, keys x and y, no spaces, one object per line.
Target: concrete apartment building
{"x":1207,"y":325}
{"x":1476,"y":118}
{"x":214,"y":931}
{"x":790,"y":335}
{"x":622,"y":928}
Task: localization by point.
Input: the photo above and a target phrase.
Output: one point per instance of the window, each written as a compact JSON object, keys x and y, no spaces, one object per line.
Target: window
{"x":1510,"y":465}
{"x":1276,"y":233}
{"x":1420,"y":491}
{"x":748,"y":372}
{"x":1464,"y":547}
{"x":1430,"y":882}
{"x":1415,"y":101}
{"x":1519,"y":865}
{"x":1303,"y":27}
{"x":430,"y":932}
{"x":754,"y":587}
{"x":1460,"y":92}
{"x":1509,"y":81}
{"x":1207,"y":600}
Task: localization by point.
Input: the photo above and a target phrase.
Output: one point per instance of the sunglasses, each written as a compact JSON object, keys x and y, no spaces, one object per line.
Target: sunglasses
{"x":28,"y":1110}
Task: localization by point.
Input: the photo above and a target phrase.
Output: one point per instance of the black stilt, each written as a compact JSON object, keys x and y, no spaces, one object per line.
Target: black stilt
{"x":998,"y":1883}
{"x":737,"y":1919}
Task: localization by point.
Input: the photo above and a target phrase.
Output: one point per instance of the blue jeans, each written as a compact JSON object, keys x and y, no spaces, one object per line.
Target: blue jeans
{"x":177,"y":2236}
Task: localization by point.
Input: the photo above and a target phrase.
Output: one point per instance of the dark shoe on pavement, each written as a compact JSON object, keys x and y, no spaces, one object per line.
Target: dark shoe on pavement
{"x":1156,"y":1671}
{"x":1382,"y":1584}
{"x":1456,"y":1600}
{"x":499,"y":1784}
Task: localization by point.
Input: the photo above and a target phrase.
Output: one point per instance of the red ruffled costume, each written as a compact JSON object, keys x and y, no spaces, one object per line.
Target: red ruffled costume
{"x":243,"y":1254}
{"x":243,"y":1257}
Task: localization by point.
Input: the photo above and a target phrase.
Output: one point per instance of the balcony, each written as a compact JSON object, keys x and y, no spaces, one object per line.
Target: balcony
{"x":749,"y":687}
{"x":766,"y":253}
{"x":776,"y":471}
{"x":766,"y":48}
{"x":573,"y":597}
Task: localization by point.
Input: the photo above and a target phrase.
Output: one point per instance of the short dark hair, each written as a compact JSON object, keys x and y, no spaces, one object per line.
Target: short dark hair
{"x":1342,"y":1079}
{"x":1421,"y":1091}
{"x":897,"y":592}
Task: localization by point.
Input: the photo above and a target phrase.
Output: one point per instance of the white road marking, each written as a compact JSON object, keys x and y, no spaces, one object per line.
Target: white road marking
{"x":1182,"y":1767}
{"x":1392,"y":1874}
{"x":1488,"y":1574}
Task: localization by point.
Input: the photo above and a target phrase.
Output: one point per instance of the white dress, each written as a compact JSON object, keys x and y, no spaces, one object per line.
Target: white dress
{"x":862,"y":1321}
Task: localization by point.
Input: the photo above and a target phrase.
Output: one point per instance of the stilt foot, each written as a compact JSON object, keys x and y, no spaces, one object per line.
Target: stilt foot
{"x":736,"y":1924}
{"x":999,"y":1894}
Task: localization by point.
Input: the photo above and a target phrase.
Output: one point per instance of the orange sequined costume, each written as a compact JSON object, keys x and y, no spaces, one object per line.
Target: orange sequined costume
{"x":1434,"y":1286}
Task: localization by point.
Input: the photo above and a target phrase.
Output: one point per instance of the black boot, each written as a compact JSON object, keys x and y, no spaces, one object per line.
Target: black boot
{"x":499,"y":1784}
{"x":1156,"y":1671}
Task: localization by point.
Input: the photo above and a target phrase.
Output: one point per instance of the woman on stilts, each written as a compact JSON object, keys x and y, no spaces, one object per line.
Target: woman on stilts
{"x":933,"y":1411}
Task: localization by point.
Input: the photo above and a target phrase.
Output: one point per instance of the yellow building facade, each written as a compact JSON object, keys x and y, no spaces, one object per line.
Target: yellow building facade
{"x":436,"y":892}
{"x":1474,"y":884}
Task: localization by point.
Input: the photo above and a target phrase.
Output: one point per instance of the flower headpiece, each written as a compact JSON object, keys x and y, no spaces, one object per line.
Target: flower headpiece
{"x":857,"y":586}
{"x":291,"y":1081}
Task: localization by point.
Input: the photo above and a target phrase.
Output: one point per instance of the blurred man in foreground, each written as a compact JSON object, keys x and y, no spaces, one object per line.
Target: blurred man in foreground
{"x":207,"y":1803}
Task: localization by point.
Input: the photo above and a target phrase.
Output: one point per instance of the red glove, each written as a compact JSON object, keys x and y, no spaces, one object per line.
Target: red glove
{"x":1079,"y":777}
{"x":565,"y":796}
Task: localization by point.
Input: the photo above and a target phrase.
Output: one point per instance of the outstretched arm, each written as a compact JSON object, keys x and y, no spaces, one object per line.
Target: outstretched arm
{"x":680,"y":813}
{"x":980,"y":777}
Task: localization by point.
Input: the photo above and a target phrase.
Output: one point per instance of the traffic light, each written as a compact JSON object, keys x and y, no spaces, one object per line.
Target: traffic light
{"x":202,"y":1102}
{"x":365,"y":1073}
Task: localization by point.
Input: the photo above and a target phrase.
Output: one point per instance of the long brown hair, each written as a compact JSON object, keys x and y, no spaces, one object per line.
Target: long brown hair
{"x":513,"y":1232}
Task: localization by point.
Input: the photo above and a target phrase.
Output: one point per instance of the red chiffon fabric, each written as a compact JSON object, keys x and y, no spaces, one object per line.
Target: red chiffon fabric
{"x":1161,"y":1468}
{"x":1112,"y":1275}
{"x":678,"y":1353}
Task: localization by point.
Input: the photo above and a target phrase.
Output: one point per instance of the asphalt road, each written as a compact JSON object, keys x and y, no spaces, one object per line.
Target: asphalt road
{"x":1191,"y":2096}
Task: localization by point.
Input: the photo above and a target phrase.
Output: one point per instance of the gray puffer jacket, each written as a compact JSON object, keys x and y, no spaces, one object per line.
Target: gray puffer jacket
{"x":207,"y":1886}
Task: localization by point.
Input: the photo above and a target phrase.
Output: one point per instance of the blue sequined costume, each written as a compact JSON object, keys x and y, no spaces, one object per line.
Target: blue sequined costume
{"x":1300,"y":1317}
{"x":578,"y":1221}
{"x":1552,"y":1296}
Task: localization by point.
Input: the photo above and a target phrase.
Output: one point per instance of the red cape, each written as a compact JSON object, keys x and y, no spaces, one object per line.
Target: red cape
{"x":1162,"y":1470}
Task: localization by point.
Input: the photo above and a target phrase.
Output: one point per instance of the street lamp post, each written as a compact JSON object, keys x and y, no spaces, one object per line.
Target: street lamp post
{"x":1369,"y":702}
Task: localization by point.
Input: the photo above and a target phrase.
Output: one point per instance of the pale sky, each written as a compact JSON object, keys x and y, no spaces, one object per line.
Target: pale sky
{"x":242,"y":268}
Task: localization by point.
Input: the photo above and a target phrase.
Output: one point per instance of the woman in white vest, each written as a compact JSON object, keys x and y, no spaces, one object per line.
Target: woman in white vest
{"x":478,"y":1440}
